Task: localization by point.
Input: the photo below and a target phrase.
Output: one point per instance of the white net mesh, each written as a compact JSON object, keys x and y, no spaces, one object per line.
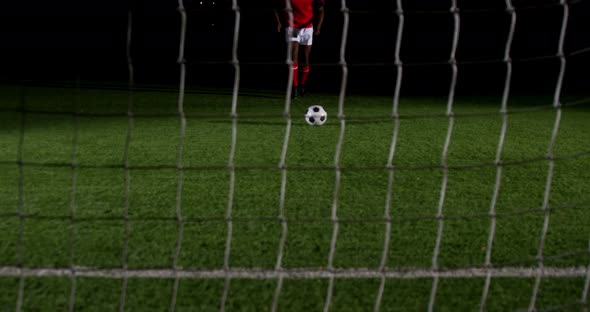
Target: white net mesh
{"x":331,"y":272}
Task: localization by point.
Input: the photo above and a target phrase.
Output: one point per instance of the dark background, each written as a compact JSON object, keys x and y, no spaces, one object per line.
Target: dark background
{"x":45,"y":41}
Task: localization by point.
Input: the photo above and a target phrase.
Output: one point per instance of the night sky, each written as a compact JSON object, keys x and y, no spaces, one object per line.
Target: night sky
{"x":66,"y":40}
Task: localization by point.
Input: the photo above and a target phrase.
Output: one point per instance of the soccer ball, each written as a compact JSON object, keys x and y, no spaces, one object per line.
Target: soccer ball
{"x":316,"y":115}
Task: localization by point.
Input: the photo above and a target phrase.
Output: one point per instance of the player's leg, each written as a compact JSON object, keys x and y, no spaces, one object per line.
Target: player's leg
{"x":293,"y":36}
{"x":305,"y":68}
{"x":295,"y":67}
{"x":306,"y":43}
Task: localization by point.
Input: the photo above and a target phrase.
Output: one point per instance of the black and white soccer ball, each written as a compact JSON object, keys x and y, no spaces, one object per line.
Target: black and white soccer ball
{"x":316,"y":115}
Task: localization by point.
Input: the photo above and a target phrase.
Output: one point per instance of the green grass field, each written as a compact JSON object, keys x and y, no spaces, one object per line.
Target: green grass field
{"x":47,"y":144}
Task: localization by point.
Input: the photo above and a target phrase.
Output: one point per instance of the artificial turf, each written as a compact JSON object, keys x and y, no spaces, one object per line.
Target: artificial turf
{"x":38,"y":129}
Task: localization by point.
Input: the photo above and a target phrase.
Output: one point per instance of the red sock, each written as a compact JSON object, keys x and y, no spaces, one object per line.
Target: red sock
{"x":295,"y":68}
{"x":304,"y":74}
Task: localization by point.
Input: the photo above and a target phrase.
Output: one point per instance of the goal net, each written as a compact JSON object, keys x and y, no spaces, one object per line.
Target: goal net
{"x":221,"y":197}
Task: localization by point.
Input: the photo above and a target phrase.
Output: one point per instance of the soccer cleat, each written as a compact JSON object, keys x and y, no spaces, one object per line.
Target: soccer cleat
{"x":294,"y":92}
{"x":302,"y":90}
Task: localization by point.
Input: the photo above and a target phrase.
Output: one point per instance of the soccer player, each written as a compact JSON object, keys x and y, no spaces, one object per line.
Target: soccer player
{"x":300,"y":32}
